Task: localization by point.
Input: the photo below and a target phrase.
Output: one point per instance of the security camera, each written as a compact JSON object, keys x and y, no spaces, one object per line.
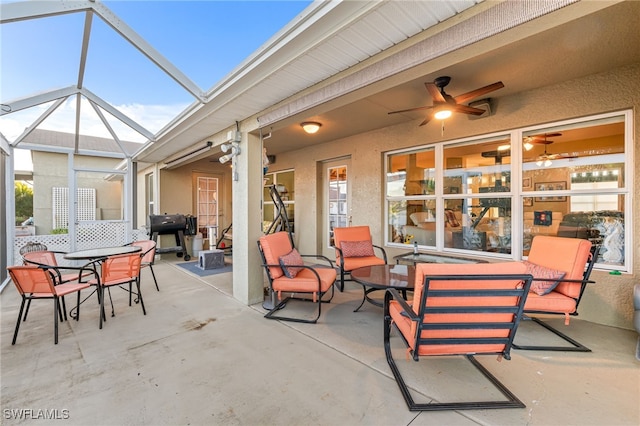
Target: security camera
{"x":225,"y":147}
{"x":225,"y":158}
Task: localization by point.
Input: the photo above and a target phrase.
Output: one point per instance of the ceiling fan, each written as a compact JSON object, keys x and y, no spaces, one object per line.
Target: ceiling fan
{"x":545,"y":158}
{"x":444,"y":104}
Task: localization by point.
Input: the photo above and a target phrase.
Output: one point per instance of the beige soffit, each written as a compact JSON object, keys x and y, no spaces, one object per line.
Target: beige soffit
{"x":501,"y":17}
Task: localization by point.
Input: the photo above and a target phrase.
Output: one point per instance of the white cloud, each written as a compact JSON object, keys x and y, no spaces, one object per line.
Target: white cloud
{"x":151,"y":117}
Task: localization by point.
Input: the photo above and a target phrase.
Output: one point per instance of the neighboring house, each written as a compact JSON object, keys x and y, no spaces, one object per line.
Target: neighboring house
{"x":99,"y":195}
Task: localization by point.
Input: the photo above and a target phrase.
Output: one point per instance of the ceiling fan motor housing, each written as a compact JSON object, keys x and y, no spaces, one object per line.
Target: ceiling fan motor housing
{"x":484,"y":104}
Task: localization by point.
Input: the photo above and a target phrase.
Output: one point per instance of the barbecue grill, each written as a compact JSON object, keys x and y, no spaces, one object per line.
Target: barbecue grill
{"x":172,"y":224}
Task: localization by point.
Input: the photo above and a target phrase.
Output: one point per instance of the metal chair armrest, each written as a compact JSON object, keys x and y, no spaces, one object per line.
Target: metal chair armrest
{"x":393,"y":293}
{"x":384,"y":253}
{"x":319,"y":256}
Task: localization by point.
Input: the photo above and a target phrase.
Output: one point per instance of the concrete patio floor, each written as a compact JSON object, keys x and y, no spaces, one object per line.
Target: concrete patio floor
{"x":199,"y":357}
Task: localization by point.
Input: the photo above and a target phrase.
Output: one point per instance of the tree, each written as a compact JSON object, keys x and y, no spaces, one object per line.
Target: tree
{"x":24,"y":202}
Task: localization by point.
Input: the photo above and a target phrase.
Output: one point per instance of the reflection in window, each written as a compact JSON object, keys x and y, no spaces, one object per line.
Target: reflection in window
{"x":338,"y":209}
{"x":285,"y":185}
{"x":571,"y":182}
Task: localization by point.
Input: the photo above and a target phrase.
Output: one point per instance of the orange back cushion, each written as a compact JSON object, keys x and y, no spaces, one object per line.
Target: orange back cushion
{"x":351,"y":233}
{"x":433,"y":269}
{"x":430,"y":269}
{"x":569,"y":255}
{"x":273,"y":246}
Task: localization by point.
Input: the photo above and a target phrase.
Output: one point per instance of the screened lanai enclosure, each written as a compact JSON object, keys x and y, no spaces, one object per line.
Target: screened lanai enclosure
{"x":81,"y":186}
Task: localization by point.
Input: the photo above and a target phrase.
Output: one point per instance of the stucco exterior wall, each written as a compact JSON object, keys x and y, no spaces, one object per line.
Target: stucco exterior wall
{"x":177,"y":192}
{"x":609,"y":301}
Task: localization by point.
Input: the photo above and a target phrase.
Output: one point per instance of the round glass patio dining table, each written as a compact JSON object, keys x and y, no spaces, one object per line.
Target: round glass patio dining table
{"x":382,"y":277}
{"x":97,"y":253}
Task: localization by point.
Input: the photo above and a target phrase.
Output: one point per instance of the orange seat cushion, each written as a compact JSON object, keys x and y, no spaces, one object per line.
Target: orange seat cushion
{"x":306,"y":281}
{"x":351,"y":263}
{"x":553,"y":302}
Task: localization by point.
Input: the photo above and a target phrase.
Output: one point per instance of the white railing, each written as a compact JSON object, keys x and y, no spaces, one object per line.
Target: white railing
{"x":90,"y":234}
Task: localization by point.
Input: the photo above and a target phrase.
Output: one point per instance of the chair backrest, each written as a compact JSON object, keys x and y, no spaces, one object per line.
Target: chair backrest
{"x":350,"y":233}
{"x":40,"y":258}
{"x":468,"y":308}
{"x":148,"y":250}
{"x":31,"y":246}
{"x":121,"y":267}
{"x":31,"y":279}
{"x":570,"y":255}
{"x":272,"y":246}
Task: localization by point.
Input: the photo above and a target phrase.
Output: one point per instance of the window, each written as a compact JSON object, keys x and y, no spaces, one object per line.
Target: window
{"x":494,"y":194}
{"x":285,"y":185}
{"x":148,"y":195}
{"x":207,"y":205}
{"x":338,"y":199}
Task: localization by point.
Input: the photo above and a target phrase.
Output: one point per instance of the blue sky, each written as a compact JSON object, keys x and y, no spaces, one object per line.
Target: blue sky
{"x":204,"y":39}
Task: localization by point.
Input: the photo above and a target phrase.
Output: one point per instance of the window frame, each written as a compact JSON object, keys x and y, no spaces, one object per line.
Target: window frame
{"x":517,"y":192}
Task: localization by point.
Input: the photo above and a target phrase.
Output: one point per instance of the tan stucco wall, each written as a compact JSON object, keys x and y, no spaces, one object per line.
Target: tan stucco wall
{"x":607,"y":302}
{"x":177,"y":192}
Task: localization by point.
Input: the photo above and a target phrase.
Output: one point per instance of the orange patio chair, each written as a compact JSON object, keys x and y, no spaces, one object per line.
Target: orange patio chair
{"x":287,"y":273}
{"x":561,"y":268}
{"x":117,"y":271}
{"x":40,"y":282}
{"x":354,"y":249}
{"x":49,"y":259}
{"x":148,"y":256}
{"x":463,"y":310}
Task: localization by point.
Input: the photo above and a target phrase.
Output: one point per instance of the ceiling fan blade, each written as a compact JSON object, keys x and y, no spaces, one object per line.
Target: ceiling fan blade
{"x":547,"y":135}
{"x":435,"y":92}
{"x":541,"y":141}
{"x":411,"y":109}
{"x":469,"y":110}
{"x":426,"y":120}
{"x":460,"y":99}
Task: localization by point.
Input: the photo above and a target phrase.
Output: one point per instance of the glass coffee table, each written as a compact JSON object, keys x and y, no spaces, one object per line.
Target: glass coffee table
{"x":412,"y":259}
{"x":382,"y":277}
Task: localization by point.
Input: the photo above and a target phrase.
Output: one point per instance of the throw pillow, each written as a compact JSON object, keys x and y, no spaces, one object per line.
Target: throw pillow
{"x":544,"y":279}
{"x":289,"y":261}
{"x":357,"y":248}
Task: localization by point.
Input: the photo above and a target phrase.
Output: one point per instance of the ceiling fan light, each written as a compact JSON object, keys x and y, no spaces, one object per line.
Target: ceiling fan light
{"x":310,"y":126}
{"x":547,"y":163}
{"x":539,"y":163}
{"x":528,"y":146}
{"x":442,"y":114}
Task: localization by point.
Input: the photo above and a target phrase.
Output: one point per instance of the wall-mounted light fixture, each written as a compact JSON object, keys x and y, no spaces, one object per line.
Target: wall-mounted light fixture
{"x":232,"y":148}
{"x":311,"y":126}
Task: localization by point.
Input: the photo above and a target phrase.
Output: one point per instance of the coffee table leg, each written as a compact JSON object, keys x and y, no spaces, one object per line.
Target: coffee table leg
{"x":365,"y":293}
{"x":364,"y":297}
